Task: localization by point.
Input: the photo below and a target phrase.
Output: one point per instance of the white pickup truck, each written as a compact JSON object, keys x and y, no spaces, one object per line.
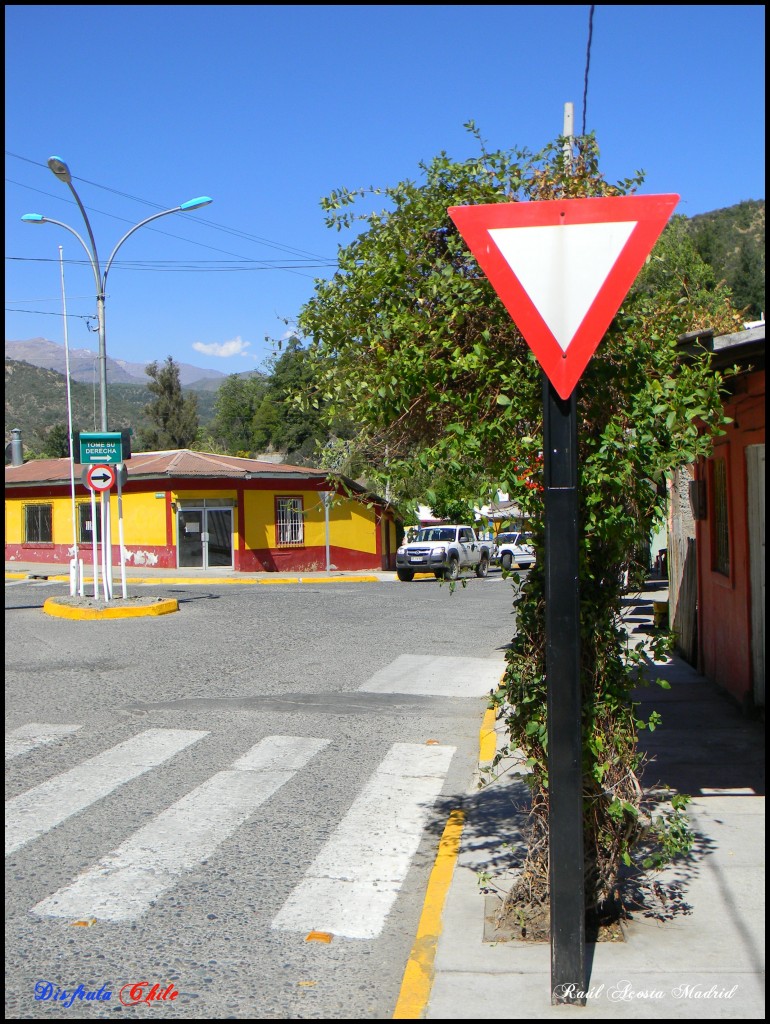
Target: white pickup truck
{"x":444,"y":551}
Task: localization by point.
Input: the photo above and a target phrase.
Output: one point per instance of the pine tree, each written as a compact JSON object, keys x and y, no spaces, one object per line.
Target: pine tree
{"x":174,"y":415}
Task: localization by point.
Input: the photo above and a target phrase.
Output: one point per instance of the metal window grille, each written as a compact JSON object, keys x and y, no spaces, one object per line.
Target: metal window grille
{"x":721,"y":540}
{"x":85,"y":526}
{"x":289,"y":521}
{"x":38,"y":524}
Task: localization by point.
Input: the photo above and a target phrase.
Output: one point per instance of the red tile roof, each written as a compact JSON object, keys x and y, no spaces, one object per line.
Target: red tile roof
{"x":174,"y":464}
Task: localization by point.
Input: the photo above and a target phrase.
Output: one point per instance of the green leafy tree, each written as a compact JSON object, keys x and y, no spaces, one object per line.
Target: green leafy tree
{"x":56,"y":442}
{"x":237,"y":401}
{"x":205,"y":442}
{"x":749,"y":280}
{"x":294,"y":429}
{"x":255,"y":414}
{"x":266,"y":425}
{"x":173,"y":415}
{"x":446,"y":502}
{"x":410,"y":341}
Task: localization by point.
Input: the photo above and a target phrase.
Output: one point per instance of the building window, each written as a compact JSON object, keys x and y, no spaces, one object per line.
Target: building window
{"x":721,"y":536}
{"x":84,"y":524}
{"x":38,"y":524}
{"x":289,"y":522}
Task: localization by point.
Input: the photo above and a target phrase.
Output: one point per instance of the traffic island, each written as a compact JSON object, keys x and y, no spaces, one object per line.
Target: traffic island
{"x":118,"y":608}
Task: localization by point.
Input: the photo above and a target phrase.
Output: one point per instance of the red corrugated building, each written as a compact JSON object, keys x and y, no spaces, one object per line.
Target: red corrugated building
{"x":717,"y":574}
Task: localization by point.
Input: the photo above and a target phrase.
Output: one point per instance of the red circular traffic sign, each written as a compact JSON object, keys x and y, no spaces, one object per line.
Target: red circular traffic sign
{"x":101,"y":477}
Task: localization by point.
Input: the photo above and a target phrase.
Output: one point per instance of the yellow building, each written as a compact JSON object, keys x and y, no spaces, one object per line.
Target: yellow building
{"x":186,"y":508}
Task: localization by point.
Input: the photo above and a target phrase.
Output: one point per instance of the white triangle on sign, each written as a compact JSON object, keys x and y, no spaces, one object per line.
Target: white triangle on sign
{"x":563,"y":267}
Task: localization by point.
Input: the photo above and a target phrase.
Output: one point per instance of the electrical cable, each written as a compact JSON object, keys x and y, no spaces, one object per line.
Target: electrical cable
{"x":588,"y":64}
{"x":200,"y":220}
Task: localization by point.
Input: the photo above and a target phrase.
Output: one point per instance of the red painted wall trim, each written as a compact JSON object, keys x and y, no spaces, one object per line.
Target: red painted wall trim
{"x":169,"y":523}
{"x":60,"y":554}
{"x":240,"y":512}
{"x":307,"y":559}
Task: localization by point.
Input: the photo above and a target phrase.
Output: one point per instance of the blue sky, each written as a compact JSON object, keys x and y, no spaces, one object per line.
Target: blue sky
{"x":267,"y":109}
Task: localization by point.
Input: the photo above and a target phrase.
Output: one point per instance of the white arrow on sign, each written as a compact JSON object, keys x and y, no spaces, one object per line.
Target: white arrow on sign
{"x":100,"y":478}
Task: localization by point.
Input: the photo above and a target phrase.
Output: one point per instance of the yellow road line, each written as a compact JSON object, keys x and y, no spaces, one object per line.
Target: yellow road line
{"x":418,"y":976}
{"x":487,"y":737}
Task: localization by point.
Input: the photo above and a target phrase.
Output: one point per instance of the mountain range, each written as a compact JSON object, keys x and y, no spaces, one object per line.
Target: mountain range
{"x":51,"y":356}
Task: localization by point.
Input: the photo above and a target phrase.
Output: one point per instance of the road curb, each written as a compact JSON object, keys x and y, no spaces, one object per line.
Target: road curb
{"x":68,"y":611}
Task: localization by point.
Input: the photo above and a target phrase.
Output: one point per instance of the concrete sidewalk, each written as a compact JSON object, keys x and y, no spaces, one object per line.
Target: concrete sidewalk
{"x":700,"y":954}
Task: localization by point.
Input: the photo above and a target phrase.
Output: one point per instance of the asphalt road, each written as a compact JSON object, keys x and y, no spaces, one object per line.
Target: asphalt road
{"x":263,"y":764}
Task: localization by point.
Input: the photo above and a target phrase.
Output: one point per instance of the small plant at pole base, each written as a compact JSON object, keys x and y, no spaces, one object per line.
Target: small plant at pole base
{"x":409,"y":341}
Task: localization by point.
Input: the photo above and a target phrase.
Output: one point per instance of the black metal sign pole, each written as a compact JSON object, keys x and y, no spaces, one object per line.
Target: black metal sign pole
{"x":562,"y":666}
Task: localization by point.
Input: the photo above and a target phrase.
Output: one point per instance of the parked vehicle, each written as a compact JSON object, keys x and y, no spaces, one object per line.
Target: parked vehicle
{"x":444,"y":551}
{"x":513,"y":551}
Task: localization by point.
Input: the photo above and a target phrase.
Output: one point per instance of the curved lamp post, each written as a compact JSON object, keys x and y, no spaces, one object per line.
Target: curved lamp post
{"x":62,"y":172}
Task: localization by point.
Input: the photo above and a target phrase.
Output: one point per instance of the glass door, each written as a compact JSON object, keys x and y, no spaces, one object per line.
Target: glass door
{"x":219,"y":537}
{"x":205,"y":537}
{"x":190,"y":537}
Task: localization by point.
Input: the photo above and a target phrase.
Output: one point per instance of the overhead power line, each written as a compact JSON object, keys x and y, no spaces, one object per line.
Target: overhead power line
{"x":588,"y":64}
{"x":47,"y":312}
{"x":190,"y":266}
{"x":237,"y":232}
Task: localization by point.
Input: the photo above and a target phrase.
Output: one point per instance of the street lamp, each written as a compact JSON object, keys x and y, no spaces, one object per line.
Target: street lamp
{"x":62,"y":172}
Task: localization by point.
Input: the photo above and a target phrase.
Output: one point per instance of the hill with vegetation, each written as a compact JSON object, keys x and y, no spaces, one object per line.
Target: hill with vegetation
{"x":36,"y":404}
{"x":732,"y":242}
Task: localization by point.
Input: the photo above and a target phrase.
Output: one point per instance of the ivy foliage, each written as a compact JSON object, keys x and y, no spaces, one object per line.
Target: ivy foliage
{"x":410,"y":341}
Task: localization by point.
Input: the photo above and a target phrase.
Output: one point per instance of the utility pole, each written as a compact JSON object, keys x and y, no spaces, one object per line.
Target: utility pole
{"x":569,"y":132}
{"x":562,"y":671}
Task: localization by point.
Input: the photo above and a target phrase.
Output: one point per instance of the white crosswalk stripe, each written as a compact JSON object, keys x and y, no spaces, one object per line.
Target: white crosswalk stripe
{"x":35,"y":812}
{"x":35,"y":734}
{"x":348,"y":890}
{"x":125,"y":882}
{"x":437,"y":676}
{"x":353,"y":882}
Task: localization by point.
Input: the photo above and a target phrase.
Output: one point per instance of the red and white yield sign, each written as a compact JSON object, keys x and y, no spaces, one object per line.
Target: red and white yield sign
{"x":101,"y":477}
{"x":562,"y":268}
